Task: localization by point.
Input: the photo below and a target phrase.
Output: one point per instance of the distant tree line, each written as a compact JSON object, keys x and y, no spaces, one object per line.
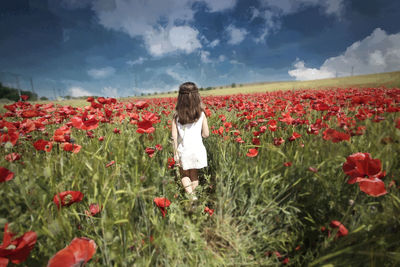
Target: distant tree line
{"x":176,"y":91}
{"x":12,"y":93}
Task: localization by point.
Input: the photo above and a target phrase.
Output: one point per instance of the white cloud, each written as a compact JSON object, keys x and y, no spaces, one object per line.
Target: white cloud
{"x":214,"y":43}
{"x":205,"y":57}
{"x":177,"y":38}
{"x":109,"y":91}
{"x":76,"y":91}
{"x":136,"y":17}
{"x":378,"y":52}
{"x":236,"y":35}
{"x":159,"y":23}
{"x":101,"y":73}
{"x":302,"y":73}
{"x":179,"y":73}
{"x":138,"y":61}
{"x":184,"y":38}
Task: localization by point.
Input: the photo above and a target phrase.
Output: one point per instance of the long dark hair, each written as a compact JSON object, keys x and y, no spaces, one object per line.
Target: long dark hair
{"x":189,"y":107}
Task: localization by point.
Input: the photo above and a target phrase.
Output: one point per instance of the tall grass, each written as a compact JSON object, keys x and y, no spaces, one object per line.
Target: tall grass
{"x":261,"y":206}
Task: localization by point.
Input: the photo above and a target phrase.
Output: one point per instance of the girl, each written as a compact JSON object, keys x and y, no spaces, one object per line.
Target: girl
{"x":189,"y":125}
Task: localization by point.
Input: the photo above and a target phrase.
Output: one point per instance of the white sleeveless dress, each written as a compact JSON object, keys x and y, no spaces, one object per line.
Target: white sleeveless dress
{"x":191,"y":150}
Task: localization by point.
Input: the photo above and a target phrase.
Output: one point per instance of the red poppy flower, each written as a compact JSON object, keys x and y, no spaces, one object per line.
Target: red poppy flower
{"x":162,"y":203}
{"x":256,"y":141}
{"x":5,"y":175}
{"x":117,"y":131}
{"x":207,"y":111}
{"x":342,"y":229}
{"x":12,"y":157}
{"x":27,"y":126}
{"x":148,"y":130}
{"x":171,"y":163}
{"x":285,"y":261}
{"x":146,"y":124}
{"x":90,"y":134}
{"x":62,"y":134}
{"x":71,"y":147}
{"x":150,"y":151}
{"x":77,"y":253}
{"x":335,"y":136}
{"x":312,"y":169}
{"x":110,"y":163}
{"x":209,"y":211}
{"x":101,"y":138}
{"x":93,"y":210}
{"x":159,"y":147}
{"x":361,"y":165}
{"x":43,"y":145}
{"x":252,"y":152}
{"x":287,"y":164}
{"x":141,"y":104}
{"x":372,"y":186}
{"x":67,"y":198}
{"x":239,"y":140}
{"x":278,"y":141}
{"x":16,"y":250}
{"x":24,"y":97}
{"x":30,"y":113}
{"x":8,"y":135}
{"x":294,"y":136}
{"x":85,"y":122}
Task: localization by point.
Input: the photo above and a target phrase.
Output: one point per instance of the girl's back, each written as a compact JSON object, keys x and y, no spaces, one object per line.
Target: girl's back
{"x":190,"y":134}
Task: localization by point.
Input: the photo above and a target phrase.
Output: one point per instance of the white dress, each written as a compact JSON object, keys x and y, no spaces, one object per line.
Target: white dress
{"x":191,"y":150}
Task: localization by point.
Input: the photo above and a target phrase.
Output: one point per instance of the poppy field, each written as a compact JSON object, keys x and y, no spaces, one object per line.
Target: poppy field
{"x":301,"y":177}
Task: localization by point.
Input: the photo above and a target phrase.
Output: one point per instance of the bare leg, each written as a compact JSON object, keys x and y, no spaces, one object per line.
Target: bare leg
{"x":187,"y":182}
{"x":187,"y":185}
{"x":194,"y":178}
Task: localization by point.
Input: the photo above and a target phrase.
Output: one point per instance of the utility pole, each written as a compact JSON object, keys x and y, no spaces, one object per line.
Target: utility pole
{"x":33,"y":90}
{"x":19,"y":89}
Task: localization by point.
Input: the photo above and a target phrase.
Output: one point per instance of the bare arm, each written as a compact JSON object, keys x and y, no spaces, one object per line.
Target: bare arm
{"x":204,"y":128}
{"x":174,"y":131}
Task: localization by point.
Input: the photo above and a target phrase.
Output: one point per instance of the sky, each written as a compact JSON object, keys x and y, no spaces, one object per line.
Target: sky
{"x":118,"y":48}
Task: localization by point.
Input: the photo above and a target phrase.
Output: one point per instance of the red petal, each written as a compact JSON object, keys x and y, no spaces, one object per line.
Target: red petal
{"x":78,"y":252}
{"x":252,"y":152}
{"x":5,"y":174}
{"x":373,"y":187}
{"x":3,"y":262}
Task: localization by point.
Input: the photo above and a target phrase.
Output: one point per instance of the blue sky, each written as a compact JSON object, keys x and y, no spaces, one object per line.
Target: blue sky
{"x":126,"y":47}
